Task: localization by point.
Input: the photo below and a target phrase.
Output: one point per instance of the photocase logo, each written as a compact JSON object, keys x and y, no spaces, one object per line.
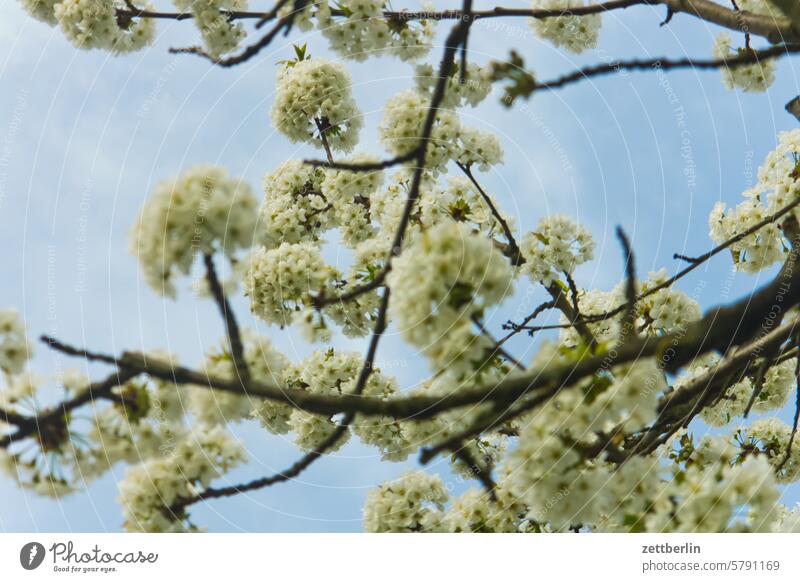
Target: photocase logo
{"x":31,"y":555}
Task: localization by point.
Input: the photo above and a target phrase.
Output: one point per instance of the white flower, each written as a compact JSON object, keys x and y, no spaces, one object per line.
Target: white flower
{"x":447,"y":277}
{"x":475,"y":87}
{"x":43,"y":10}
{"x":574,"y":33}
{"x":202,"y":211}
{"x":403,"y":123}
{"x":294,"y":208}
{"x":324,"y":372}
{"x":412,"y":503}
{"x":315,"y":95}
{"x":756,"y":77}
{"x":778,"y":381}
{"x":479,"y":148}
{"x":94,"y":24}
{"x":220,"y":34}
{"x":667,"y":310}
{"x":281,"y":281}
{"x":771,"y":436}
{"x":755,"y":252}
{"x":557,"y":246}
{"x":363,"y":32}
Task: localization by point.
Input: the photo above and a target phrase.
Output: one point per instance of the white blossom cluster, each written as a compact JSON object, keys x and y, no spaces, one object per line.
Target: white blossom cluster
{"x":220,"y":35}
{"x":358,"y":30}
{"x":441,"y":283}
{"x":562,"y":488}
{"x":596,"y":302}
{"x":302,"y":202}
{"x":363,"y":32}
{"x":471,"y":90}
{"x":778,"y":185}
{"x":151,"y":492}
{"x":485,"y":450}
{"x":42,"y":467}
{"x":203,"y":210}
{"x":402,"y":127}
{"x":324,"y":372}
{"x":44,"y":10}
{"x":280,"y":282}
{"x":667,"y":310}
{"x":314,"y":101}
{"x":142,"y":418}
{"x":771,"y":437}
{"x":90,"y":24}
{"x":774,"y":390}
{"x":412,"y":503}
{"x":294,"y":208}
{"x":574,"y":33}
{"x":714,"y":492}
{"x":415,"y":502}
{"x":753,"y":78}
{"x":556,"y":246}
{"x":385,"y":433}
{"x":461,"y":201}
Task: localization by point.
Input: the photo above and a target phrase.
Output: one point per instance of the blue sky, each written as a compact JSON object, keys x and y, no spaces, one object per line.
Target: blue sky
{"x":84,"y":136}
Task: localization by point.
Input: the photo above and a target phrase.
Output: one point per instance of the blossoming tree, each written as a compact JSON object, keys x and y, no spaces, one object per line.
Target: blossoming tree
{"x":590,"y":435}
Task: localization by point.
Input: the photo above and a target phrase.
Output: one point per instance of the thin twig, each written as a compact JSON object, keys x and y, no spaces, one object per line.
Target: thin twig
{"x":231,"y":325}
{"x":513,"y":248}
{"x":516,"y":328}
{"x":324,"y":139}
{"x":665,"y":64}
{"x":497,"y":349}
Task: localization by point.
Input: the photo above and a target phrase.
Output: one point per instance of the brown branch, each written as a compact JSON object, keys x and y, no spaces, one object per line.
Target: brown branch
{"x":324,"y":139}
{"x":158,"y":15}
{"x":573,"y":315}
{"x":775,"y":30}
{"x":518,"y":327}
{"x":482,"y":474}
{"x":513,"y":248}
{"x":665,"y":64}
{"x":366,"y":166}
{"x":231,"y":326}
{"x":721,"y":329}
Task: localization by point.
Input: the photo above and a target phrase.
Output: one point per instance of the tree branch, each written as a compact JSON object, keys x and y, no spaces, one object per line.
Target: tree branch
{"x":231,"y":326}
